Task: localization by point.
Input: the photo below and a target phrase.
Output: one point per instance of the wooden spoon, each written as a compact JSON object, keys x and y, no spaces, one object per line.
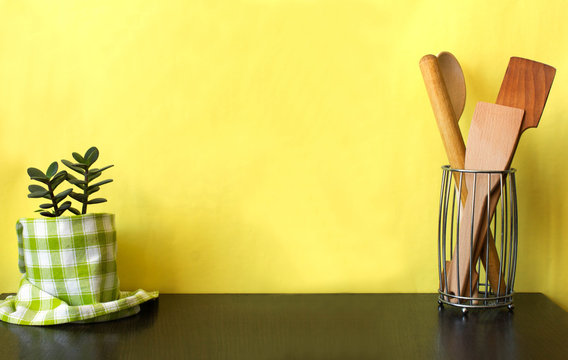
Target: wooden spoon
{"x":455,"y":82}
{"x":445,"y":113}
{"x":491,"y":142}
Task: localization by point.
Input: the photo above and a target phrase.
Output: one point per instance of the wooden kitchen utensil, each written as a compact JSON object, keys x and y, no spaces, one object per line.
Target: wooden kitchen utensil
{"x":526,"y":85}
{"x":491,"y":142}
{"x":454,"y":80}
{"x":444,"y":113}
{"x":447,"y":113}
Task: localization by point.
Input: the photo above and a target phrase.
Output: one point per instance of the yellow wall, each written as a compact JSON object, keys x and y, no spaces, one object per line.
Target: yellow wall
{"x":273,"y":146}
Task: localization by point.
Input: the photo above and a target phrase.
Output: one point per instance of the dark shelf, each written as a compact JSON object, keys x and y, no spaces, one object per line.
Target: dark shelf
{"x":303,"y":326}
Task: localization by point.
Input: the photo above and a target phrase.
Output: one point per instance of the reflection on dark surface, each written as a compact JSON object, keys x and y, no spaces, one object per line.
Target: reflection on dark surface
{"x":307,"y":326}
{"x":479,"y":334}
{"x":77,"y":341}
{"x":64,"y":343}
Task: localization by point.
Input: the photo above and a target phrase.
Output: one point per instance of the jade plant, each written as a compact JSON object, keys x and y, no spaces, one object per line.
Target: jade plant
{"x":52,"y":179}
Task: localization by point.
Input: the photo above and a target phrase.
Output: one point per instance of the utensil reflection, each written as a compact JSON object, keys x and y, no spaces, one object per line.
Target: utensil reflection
{"x":480,"y":330}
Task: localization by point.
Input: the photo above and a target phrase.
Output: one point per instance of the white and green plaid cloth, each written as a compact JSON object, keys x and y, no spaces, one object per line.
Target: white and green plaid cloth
{"x":69,"y":266}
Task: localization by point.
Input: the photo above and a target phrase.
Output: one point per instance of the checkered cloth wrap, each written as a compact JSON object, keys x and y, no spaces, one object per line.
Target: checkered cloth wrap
{"x":69,"y":266}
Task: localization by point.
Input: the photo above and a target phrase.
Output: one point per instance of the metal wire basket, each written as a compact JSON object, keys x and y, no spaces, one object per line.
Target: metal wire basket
{"x":477,"y":238}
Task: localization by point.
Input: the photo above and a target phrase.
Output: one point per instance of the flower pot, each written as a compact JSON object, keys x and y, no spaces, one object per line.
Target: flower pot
{"x":70,"y":273}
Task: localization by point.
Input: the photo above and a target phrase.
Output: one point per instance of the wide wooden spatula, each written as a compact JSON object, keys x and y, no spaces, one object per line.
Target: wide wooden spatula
{"x":526,"y":85}
{"x":491,"y":142}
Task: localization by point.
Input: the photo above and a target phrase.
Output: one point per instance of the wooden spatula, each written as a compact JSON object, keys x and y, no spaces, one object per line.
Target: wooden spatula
{"x":526,"y":85}
{"x":455,"y":85}
{"x":491,"y":142}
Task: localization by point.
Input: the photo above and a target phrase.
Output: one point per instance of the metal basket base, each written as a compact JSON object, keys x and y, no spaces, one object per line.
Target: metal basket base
{"x":467,"y":303}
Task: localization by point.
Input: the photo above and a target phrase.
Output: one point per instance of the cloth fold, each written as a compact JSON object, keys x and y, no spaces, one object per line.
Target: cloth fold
{"x":32,"y":306}
{"x":70,"y":273}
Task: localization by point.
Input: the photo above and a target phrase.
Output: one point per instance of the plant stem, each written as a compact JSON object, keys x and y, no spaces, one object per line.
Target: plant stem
{"x":84,"y":210}
{"x":55,"y":208}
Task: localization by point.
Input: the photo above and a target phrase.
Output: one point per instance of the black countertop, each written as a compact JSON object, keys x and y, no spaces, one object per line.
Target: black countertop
{"x":303,"y":326}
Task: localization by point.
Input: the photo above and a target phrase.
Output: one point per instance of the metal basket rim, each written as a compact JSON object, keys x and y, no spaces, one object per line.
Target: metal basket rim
{"x":449,"y":168}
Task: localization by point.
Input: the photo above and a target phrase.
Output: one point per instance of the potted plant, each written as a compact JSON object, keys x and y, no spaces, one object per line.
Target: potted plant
{"x":69,"y":262}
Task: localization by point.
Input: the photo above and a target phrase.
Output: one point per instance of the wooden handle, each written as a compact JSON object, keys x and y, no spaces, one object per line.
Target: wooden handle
{"x":453,"y":142}
{"x":443,"y":111}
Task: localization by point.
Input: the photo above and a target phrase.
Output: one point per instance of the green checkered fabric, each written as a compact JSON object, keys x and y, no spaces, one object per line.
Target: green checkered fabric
{"x":69,"y":266}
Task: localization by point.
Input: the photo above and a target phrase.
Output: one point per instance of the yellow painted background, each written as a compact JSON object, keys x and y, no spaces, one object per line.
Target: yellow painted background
{"x":273,"y":146}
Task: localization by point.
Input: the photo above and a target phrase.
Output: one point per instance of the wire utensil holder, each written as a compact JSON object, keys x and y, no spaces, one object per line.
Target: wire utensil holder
{"x":491,"y":272}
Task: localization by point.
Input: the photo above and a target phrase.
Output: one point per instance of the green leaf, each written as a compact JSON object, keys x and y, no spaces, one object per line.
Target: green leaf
{"x":62,"y":173}
{"x":38,"y":210}
{"x":74,"y":211}
{"x":37,"y":194}
{"x":66,"y":205}
{"x":79,"y":197}
{"x":92,"y":155}
{"x":100,"y":183}
{"x":46,"y":206}
{"x":92,"y":190}
{"x":43,"y":180}
{"x":97,"y":201}
{"x":73,"y":180}
{"x":79,"y":158}
{"x":89,"y":151}
{"x":106,"y":167}
{"x":57,"y":180}
{"x":71,"y":166}
{"x":36,"y":188}
{"x":62,"y":195}
{"x":101,"y":169}
{"x":52,"y":169}
{"x":92,"y":177}
{"x":47,"y":214}
{"x":81,"y":166}
{"x":77,"y":182}
{"x":36,"y":173}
